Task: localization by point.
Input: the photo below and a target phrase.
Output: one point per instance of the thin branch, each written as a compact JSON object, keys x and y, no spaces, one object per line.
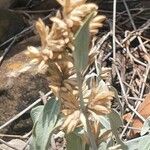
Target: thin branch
{"x":7,"y":50}
{"x":22,"y":112}
{"x":134,"y":27}
{"x":114,"y":29}
{"x":114,"y":36}
{"x":5,"y":143}
{"x":12,"y":136}
{"x":27,"y":143}
{"x":133,"y":98}
{"x":125,"y":96}
{"x":141,"y":95}
{"x":24,"y":31}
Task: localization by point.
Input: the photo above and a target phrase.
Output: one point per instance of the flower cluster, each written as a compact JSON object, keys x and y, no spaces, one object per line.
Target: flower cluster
{"x":96,"y":100}
{"x":55,"y":59}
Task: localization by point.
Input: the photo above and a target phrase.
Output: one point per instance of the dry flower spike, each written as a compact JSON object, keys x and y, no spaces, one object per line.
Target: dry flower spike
{"x":55,"y":59}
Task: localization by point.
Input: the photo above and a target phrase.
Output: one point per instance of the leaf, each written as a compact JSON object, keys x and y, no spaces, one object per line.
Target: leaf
{"x":146,"y":126}
{"x":116,"y":122}
{"x":105,"y":122}
{"x":104,"y":136}
{"x":141,"y":143}
{"x":144,"y":144}
{"x":103,"y":86}
{"x":45,"y":125}
{"x":83,"y":120}
{"x":81,"y":42}
{"x":74,"y":142}
{"x":35,"y":113}
{"x":143,"y":110}
{"x":102,"y":146}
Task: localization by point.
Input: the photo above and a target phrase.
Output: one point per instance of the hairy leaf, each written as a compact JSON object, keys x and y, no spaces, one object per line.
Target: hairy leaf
{"x":102,"y":146}
{"x":105,"y":122}
{"x":116,"y":122}
{"x":45,"y":125}
{"x":74,"y":142}
{"x":146,"y":126}
{"x":81,"y":42}
{"x":141,"y":143}
{"x":35,"y":113}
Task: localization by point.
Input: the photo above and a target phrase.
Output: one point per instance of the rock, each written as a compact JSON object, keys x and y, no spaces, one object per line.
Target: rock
{"x":16,"y":93}
{"x":45,"y":5}
{"x":36,"y":4}
{"x":4,"y":4}
{"x":10,"y":24}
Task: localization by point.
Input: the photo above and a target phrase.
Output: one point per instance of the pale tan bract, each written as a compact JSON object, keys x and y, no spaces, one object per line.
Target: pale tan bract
{"x":97,"y":100}
{"x":55,"y":59}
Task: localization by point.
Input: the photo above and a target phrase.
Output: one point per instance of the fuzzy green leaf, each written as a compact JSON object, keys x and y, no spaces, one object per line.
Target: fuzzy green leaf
{"x":144,"y":144}
{"x":141,"y":143}
{"x":81,"y":42}
{"x":35,"y":113}
{"x":74,"y":142}
{"x":45,"y":125}
{"x":146,"y":126}
{"x":105,"y":122}
{"x":116,"y":122}
{"x":102,"y":146}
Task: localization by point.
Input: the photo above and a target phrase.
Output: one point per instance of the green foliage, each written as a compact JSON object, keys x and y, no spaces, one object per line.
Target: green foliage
{"x":74,"y":142}
{"x":45,"y":119}
{"x":82,"y":40}
{"x":144,"y":144}
{"x":146,"y":126}
{"x":141,"y":143}
{"x":35,"y":113}
{"x":81,"y":43}
{"x":102,"y":146}
{"x":116,"y":122}
{"x":105,"y":122}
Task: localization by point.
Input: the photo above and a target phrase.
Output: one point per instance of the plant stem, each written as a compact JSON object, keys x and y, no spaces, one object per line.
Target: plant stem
{"x":83,"y":110}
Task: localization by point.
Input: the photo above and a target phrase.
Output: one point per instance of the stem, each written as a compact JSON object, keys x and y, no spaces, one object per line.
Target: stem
{"x":83,"y":110}
{"x":114,"y":29}
{"x":23,"y":112}
{"x":114,"y":37}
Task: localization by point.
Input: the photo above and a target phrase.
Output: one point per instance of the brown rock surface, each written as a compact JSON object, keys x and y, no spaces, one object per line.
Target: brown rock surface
{"x":6,"y":3}
{"x":10,"y":24}
{"x":16,"y":93}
